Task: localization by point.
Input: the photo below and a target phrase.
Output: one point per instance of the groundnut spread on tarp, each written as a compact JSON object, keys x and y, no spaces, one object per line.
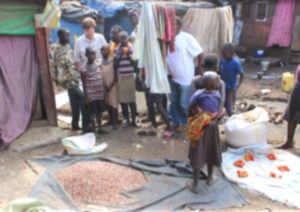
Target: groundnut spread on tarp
{"x":100,"y":182}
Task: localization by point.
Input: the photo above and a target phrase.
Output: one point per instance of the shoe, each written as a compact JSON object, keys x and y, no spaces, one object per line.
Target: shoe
{"x":88,"y":130}
{"x":133,"y":124}
{"x":167,"y":134}
{"x":76,"y":128}
{"x":145,"y":120}
{"x":102,"y":131}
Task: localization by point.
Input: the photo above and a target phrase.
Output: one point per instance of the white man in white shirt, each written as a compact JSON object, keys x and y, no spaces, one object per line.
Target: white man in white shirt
{"x":182,"y":70}
{"x":96,"y":42}
{"x":88,"y":39}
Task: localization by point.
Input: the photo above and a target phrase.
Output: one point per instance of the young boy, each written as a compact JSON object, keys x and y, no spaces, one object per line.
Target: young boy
{"x":110,"y":83}
{"x":125,"y":68}
{"x":231,"y":68}
{"x":115,"y":39}
{"x":94,"y":89}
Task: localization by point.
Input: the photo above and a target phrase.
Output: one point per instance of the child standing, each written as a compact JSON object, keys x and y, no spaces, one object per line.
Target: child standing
{"x":231,"y":68}
{"x":110,"y":83}
{"x":202,"y":130}
{"x":94,"y":89}
{"x":211,"y":65}
{"x":125,"y":68}
{"x":115,"y":39}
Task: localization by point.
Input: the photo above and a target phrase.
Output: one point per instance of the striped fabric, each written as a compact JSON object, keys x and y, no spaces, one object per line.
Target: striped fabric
{"x":125,"y":67}
{"x":93,"y":83}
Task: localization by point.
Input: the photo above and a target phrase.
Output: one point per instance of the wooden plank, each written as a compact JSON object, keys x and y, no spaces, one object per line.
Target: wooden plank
{"x":296,"y":35}
{"x":42,"y":46}
{"x":255,"y":34}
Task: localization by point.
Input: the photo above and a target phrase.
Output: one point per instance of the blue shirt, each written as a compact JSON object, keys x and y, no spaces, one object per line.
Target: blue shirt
{"x":207,"y":101}
{"x":230,"y":69}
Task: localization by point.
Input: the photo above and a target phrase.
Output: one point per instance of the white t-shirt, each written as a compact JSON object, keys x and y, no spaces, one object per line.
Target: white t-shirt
{"x":83,"y":42}
{"x":181,"y":62}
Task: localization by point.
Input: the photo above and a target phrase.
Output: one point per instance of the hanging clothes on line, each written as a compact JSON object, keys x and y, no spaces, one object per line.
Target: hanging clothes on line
{"x":155,"y":32}
{"x":211,"y":27}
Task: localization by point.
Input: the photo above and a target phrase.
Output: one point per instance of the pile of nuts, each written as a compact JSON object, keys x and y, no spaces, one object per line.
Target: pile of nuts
{"x":96,"y":182}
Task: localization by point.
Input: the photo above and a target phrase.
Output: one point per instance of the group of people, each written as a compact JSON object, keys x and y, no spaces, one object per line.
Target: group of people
{"x":108,"y":74}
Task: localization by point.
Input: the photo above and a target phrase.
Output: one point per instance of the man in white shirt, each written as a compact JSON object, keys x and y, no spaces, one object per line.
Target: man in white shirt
{"x":88,"y":39}
{"x":182,"y":71}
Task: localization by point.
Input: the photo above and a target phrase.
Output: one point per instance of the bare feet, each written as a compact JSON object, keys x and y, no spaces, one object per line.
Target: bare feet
{"x":287,"y":145}
{"x":193,"y":187}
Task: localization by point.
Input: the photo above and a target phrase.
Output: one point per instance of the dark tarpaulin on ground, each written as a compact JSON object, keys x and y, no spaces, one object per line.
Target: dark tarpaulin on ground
{"x":165,"y":188}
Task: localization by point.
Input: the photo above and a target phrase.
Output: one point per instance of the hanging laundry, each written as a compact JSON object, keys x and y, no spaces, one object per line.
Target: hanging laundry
{"x":211,"y":27}
{"x":148,"y":52}
{"x":282,"y":24}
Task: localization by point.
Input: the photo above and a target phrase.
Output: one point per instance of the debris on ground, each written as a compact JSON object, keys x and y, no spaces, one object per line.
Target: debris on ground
{"x":276,"y":117}
{"x":244,"y":107}
{"x":265,"y":91}
{"x":137,"y":146}
{"x":275,"y":99}
{"x":147,"y":132}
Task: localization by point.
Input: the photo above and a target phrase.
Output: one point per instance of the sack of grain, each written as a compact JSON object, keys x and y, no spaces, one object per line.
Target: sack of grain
{"x":247,"y":128}
{"x":83,"y":145}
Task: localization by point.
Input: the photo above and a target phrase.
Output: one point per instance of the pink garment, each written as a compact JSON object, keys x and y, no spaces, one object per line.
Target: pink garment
{"x":282,"y":24}
{"x":18,"y":85}
{"x":298,"y":75}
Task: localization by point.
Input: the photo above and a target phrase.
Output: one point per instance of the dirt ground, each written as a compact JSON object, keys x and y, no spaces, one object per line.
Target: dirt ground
{"x":17,"y":177}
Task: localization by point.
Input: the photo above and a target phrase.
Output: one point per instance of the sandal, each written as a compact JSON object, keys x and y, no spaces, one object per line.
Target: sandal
{"x":167,"y":134}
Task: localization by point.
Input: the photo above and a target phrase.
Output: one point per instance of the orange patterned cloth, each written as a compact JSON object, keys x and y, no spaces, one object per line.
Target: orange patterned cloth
{"x":196,"y":125}
{"x":113,"y":47}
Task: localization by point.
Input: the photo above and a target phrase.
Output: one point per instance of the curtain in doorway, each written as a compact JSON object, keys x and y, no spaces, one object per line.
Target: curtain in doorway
{"x":18,"y":85}
{"x":282,"y":24}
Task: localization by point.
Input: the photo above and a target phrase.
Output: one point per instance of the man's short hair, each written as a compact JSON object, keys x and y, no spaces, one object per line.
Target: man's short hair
{"x":229,"y":47}
{"x":62,"y":31}
{"x":89,"y":50}
{"x":210,"y":62}
{"x":105,"y":47}
{"x":88,"y":22}
{"x":124,"y":34}
{"x":117,"y":28}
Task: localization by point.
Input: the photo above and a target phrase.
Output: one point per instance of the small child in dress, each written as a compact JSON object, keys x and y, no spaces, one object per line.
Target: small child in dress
{"x":204,"y":110}
{"x":110,"y":83}
{"x":93,"y":87}
{"x":231,"y":68}
{"x":125,"y":68}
